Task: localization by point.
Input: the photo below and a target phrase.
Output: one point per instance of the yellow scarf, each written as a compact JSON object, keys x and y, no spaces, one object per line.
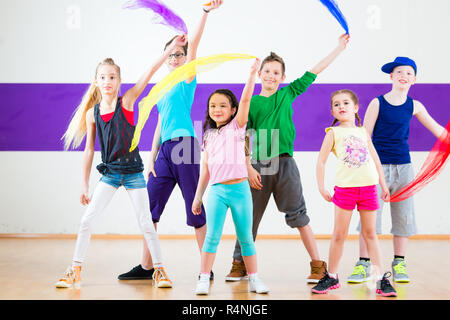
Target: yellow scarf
{"x":180,"y":74}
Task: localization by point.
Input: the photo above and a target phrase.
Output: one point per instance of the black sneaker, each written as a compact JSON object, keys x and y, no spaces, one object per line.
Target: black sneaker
{"x":211,"y":276}
{"x":325,"y":284}
{"x":137,"y":273}
{"x":384,"y":287}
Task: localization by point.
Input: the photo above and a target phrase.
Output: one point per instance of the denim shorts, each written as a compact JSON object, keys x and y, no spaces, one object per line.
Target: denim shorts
{"x":128,"y":180}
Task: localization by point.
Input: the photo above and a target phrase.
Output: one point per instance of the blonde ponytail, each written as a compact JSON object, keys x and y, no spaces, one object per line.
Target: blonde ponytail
{"x":77,"y":127}
{"x":76,"y":131}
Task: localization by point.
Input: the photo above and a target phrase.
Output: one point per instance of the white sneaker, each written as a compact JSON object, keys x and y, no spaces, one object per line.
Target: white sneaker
{"x":256,"y":285}
{"x":202,"y":287}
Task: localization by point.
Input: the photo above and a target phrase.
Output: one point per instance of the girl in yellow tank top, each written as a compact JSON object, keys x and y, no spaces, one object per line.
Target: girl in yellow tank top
{"x":358,"y":171}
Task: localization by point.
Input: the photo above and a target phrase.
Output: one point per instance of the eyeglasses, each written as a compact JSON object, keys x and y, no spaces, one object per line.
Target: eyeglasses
{"x":176,"y":55}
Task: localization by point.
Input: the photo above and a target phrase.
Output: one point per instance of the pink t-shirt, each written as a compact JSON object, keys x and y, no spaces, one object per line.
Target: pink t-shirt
{"x":226,"y":153}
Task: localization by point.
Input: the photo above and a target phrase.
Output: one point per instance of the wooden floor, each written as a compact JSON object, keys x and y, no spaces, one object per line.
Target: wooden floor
{"x":30,"y":267}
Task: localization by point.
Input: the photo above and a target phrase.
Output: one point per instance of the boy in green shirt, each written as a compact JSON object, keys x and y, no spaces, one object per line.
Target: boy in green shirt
{"x":274,"y":170}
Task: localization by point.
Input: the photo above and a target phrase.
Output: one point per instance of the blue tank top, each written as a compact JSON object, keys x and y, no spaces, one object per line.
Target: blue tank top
{"x":175,"y":111}
{"x":391,"y":131}
{"x":115,"y":140}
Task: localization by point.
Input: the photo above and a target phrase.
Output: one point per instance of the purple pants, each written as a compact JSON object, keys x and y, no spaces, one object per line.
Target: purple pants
{"x":178,"y":161}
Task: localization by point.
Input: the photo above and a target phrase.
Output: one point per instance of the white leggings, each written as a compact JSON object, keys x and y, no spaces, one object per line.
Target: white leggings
{"x":102,"y":196}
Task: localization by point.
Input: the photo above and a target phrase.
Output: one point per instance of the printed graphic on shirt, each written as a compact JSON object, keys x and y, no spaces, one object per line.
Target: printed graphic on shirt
{"x":356,"y":153}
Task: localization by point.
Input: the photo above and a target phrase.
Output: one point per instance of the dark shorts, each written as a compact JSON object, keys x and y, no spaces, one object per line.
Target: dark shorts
{"x":178,"y":162}
{"x":280,"y":177}
{"x":283,"y":181}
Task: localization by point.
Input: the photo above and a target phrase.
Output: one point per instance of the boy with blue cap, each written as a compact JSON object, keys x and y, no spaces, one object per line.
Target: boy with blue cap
{"x":388,"y":117}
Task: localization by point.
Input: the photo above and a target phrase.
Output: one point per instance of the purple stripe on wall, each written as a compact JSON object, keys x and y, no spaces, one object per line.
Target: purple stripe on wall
{"x":35,"y":116}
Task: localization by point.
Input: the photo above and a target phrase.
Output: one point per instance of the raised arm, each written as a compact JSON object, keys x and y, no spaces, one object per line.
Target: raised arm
{"x":325,"y":62}
{"x":130,"y":97}
{"x":424,"y":117}
{"x":247,"y":93}
{"x":197,"y":34}
{"x":325,"y":150}
{"x":88,"y":156}
{"x":371,"y":116}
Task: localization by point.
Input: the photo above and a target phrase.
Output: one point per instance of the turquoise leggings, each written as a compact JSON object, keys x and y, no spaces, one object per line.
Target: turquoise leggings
{"x":238,"y":198}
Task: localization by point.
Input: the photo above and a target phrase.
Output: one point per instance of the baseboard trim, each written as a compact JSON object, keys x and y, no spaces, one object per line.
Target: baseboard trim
{"x":192,"y":236}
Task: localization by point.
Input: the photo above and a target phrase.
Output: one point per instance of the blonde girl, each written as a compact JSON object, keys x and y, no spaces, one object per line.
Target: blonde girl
{"x":104,"y":113}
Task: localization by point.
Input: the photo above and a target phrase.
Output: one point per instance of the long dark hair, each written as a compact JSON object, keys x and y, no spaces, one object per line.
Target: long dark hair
{"x":210,"y":123}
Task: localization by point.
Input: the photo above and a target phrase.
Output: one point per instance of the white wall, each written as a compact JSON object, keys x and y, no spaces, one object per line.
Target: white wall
{"x":62,"y":41}
{"x":51,"y":41}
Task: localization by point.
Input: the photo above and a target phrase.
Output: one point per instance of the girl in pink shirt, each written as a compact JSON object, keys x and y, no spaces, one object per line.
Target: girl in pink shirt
{"x":224,"y":166}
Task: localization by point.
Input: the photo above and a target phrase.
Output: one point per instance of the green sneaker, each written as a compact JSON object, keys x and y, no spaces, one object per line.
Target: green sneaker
{"x":360,"y":272}
{"x":399,"y":270}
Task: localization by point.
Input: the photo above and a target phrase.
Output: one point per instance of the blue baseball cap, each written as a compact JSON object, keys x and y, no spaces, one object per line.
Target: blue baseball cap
{"x":399,"y":61}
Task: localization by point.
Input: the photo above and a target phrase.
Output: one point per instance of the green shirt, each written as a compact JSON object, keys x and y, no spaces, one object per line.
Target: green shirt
{"x":270,"y":119}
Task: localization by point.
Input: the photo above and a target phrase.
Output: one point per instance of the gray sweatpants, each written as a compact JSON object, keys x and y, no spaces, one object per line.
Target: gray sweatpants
{"x":402,"y":213}
{"x":286,"y":187}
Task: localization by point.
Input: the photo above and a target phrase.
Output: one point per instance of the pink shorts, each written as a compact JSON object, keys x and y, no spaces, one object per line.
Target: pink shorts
{"x":365,"y":197}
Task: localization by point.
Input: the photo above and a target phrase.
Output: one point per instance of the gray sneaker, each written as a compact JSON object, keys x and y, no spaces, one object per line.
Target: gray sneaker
{"x":360,"y":272}
{"x":399,"y":270}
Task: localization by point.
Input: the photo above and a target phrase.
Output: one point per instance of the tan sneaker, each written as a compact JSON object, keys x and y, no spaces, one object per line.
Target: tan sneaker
{"x":238,"y":272}
{"x":318,"y":270}
{"x":161,"y":279}
{"x":71,"y":279}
